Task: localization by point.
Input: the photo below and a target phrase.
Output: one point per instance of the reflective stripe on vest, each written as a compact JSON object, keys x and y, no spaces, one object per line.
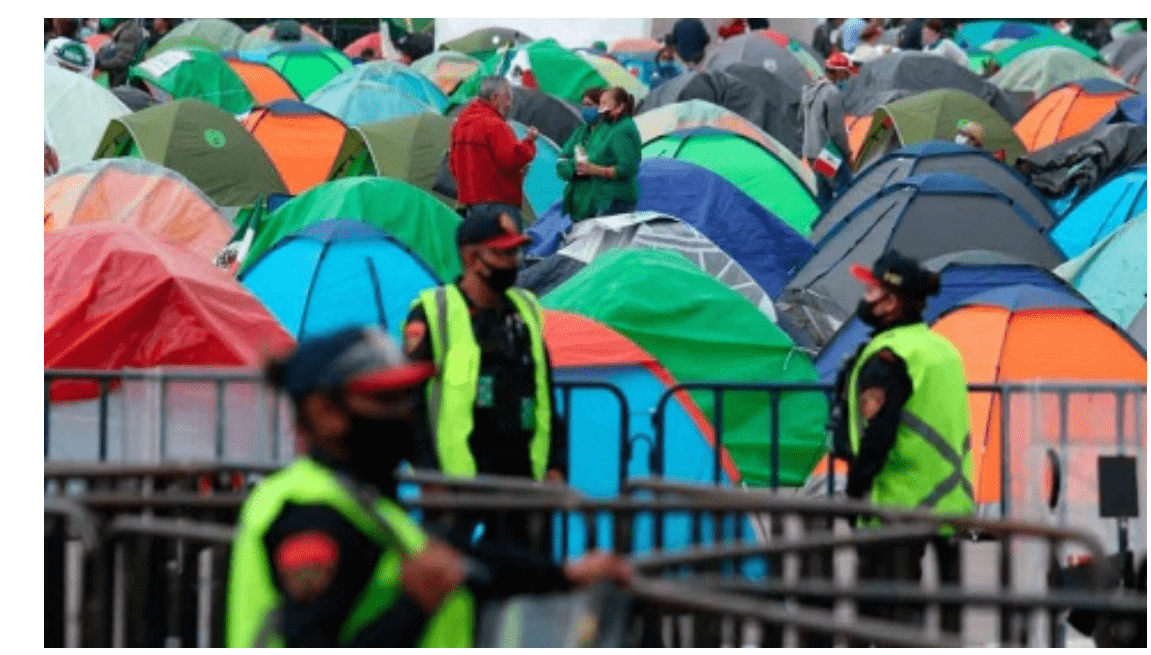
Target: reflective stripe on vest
{"x":452,"y":391}
{"x":956,"y":479}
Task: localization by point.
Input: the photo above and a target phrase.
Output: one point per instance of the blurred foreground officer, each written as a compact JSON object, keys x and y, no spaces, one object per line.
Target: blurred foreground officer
{"x":904,"y":397}
{"x":488,"y":409}
{"x":324,"y":557}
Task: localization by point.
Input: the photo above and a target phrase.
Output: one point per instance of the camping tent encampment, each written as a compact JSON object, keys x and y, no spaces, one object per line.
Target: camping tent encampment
{"x":396,"y":75}
{"x":447,"y":68}
{"x":262,"y":81}
{"x":1068,"y":110}
{"x":306,"y":66}
{"x":756,"y":49}
{"x":357,"y":102}
{"x":1035,"y":72}
{"x":543,"y":65}
{"x":304,"y":143}
{"x":1108,"y":206}
{"x":193,"y":73}
{"x":410,"y":148}
{"x":76,"y":112}
{"x":211,"y":33}
{"x":1112,"y":274}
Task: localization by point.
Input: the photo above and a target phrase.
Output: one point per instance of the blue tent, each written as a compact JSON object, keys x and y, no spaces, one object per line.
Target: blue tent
{"x":1107,"y":207}
{"x":357,"y":102}
{"x":395,"y":75}
{"x":1131,"y":110}
{"x":763,"y":244}
{"x":1112,"y":274}
{"x":962,"y":275}
{"x":337,"y":273}
{"x":542,"y":186}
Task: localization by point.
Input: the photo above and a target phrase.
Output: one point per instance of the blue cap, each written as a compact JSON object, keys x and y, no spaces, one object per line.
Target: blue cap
{"x":363,"y":359}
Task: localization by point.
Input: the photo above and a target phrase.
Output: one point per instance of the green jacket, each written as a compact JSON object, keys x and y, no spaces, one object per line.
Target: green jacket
{"x":608,"y":144}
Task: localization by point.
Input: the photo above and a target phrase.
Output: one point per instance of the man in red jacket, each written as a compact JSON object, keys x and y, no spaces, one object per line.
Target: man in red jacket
{"x":487,"y":160}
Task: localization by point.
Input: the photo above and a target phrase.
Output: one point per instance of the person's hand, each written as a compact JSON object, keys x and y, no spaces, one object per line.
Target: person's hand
{"x":433,"y":574}
{"x":599,"y":565}
{"x":554,"y":475}
{"x":532,"y":134}
{"x":586,"y":168}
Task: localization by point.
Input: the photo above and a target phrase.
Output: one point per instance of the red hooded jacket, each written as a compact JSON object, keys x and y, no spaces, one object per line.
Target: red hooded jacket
{"x":486,"y":159}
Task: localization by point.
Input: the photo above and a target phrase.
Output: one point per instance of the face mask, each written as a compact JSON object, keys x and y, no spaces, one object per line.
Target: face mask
{"x":841,"y":85}
{"x":590,"y":114}
{"x":866,"y":313}
{"x":501,"y":279}
{"x":377,"y":446}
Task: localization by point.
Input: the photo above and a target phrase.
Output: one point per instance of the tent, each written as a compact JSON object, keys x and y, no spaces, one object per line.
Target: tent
{"x":634,"y":44}
{"x":447,"y":68}
{"x":933,"y":157}
{"x":356,"y":48}
{"x":261,"y":37}
{"x":1024,"y":334}
{"x":1035,"y":72}
{"x":1131,"y":110}
{"x":1095,"y":216}
{"x":703,"y":331}
{"x":304,"y":143}
{"x":1134,"y":72}
{"x":395,"y":75}
{"x":743,"y":162}
{"x":975,"y":35}
{"x":410,"y":148}
{"x":76,"y":111}
{"x":907,"y":73}
{"x":1137,"y":328}
{"x":117,"y":297}
{"x":262,"y":81}
{"x":543,"y":65}
{"x":409,"y":214}
{"x":1112,"y":274}
{"x":756,"y":49}
{"x":766,"y":247}
{"x":616,"y":75}
{"x":923,"y":216}
{"x":484,"y":42}
{"x":204,"y":143}
{"x":669,"y":118}
{"x":1122,"y":50}
{"x":338,"y":273}
{"x":554,"y":118}
{"x":782,"y":118}
{"x":1066,"y":170}
{"x":1069,"y":110}
{"x":210,"y":33}
{"x":192,"y":73}
{"x":154,"y":199}
{"x":590,"y":238}
{"x":357,"y":102}
{"x":306,"y":66}
{"x":807,"y":56}
{"x":1047,"y":40}
{"x":962,"y":275}
{"x":934,"y":116}
{"x":717,"y":87}
{"x":134,"y":99}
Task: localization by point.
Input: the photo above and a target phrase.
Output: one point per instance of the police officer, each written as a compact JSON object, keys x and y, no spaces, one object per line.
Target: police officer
{"x":324,"y":557}
{"x":489,"y":407}
{"x":904,"y":401}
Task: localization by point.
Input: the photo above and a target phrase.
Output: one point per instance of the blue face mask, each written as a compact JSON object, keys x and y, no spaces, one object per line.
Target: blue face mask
{"x":590,"y":114}
{"x":841,"y":84}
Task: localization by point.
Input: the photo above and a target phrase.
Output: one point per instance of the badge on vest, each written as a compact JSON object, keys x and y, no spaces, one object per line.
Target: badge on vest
{"x":528,"y":414}
{"x":485,"y":392}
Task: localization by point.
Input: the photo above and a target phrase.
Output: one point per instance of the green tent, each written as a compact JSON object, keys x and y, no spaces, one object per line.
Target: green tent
{"x":193,"y":73}
{"x":1035,"y":72}
{"x":203,"y":143}
{"x":409,"y":148}
{"x":214,"y":34}
{"x":446,"y":68}
{"x":543,"y":65}
{"x":307,"y":67}
{"x":747,"y":165}
{"x":410,"y":214}
{"x":934,"y":116}
{"x":484,"y":42}
{"x":1045,"y":40}
{"x":701,"y":330}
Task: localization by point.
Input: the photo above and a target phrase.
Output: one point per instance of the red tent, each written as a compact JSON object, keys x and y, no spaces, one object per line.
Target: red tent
{"x":117,"y":297}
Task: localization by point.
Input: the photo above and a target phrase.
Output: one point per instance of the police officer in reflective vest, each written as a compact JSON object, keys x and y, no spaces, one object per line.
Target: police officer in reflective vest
{"x":323,"y":556}
{"x":904,"y":398}
{"x":489,"y":408}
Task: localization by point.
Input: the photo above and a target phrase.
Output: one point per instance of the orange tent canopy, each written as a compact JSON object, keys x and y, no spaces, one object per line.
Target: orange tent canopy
{"x":137,"y":192}
{"x":302,"y":141}
{"x":369,"y":40}
{"x":857,"y":128}
{"x":635,"y":44}
{"x":1069,"y":110}
{"x":264,"y":82}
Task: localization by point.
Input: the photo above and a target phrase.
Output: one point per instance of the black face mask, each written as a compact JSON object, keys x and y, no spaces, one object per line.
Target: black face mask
{"x":377,"y":446}
{"x":501,"y":279}
{"x":866,"y":313}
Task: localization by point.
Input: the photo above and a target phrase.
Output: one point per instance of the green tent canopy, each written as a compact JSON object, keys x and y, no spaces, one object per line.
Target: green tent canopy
{"x":409,"y":148}
{"x":1035,"y":72}
{"x":203,"y":143}
{"x":214,"y":34}
{"x":701,"y":330}
{"x":484,"y":42}
{"x":934,"y":116}
{"x":307,"y":67}
{"x":543,"y":65}
{"x":746,"y":164}
{"x":1045,"y":40}
{"x":193,"y":73}
{"x":410,"y":214}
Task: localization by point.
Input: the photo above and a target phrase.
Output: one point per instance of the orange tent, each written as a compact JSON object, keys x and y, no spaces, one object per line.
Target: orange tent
{"x":857,"y":128}
{"x":370,"y":40}
{"x":638,"y":44}
{"x":264,"y":82}
{"x":138,"y":192}
{"x":302,"y":141}
{"x":1028,"y":335}
{"x":1069,"y":110}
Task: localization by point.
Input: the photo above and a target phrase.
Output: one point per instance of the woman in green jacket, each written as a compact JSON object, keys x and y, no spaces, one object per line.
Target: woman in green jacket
{"x":604,"y":183}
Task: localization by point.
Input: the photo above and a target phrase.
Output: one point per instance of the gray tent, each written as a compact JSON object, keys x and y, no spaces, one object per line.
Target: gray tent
{"x":554,"y":118}
{"x":922,"y":216}
{"x":760,"y":51}
{"x":934,"y":157}
{"x":650,"y":230}
{"x":915,"y":72}
{"x":781,"y":117}
{"x":1138,"y":327}
{"x":716,"y":87}
{"x":1085,"y":160}
{"x":134,"y":98}
{"x":1134,"y":71}
{"x":1122,"y":50}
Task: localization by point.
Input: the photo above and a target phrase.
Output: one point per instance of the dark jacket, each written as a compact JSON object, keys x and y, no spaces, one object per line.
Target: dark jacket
{"x":125,"y":49}
{"x":486,"y":159}
{"x":608,"y":144}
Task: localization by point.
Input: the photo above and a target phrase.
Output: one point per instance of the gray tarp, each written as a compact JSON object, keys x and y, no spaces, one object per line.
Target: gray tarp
{"x":914,"y":72}
{"x":781,"y":117}
{"x":1085,"y":160}
{"x":762,"y":52}
{"x":1138,"y":327}
{"x":1122,"y":50}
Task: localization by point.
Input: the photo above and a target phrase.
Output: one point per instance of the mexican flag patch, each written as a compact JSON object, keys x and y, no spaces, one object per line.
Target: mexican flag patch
{"x":828,"y":161}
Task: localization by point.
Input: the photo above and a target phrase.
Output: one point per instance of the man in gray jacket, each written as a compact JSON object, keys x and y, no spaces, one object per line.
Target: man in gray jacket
{"x":822,"y":106}
{"x":125,"y":48}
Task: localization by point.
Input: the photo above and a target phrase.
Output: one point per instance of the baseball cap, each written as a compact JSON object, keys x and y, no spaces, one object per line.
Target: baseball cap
{"x":489,"y":226}
{"x":68,"y":54}
{"x":900,"y":275}
{"x":362,"y":359}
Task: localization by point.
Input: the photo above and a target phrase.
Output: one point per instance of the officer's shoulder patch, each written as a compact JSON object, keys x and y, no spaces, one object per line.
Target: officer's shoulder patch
{"x":414,"y":333}
{"x":306,"y":563}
